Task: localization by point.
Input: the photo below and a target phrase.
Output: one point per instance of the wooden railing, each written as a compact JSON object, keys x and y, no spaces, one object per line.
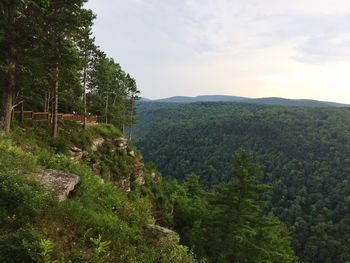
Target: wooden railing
{"x":44,"y":116}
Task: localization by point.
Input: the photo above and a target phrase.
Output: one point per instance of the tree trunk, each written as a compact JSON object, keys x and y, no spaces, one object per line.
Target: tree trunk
{"x":106,"y":112}
{"x":131,"y":119}
{"x":48,"y":100}
{"x":84,"y":99}
{"x":6,"y":102}
{"x":130,"y":132}
{"x":45,"y":102}
{"x":55,"y":105}
{"x":22,"y":112}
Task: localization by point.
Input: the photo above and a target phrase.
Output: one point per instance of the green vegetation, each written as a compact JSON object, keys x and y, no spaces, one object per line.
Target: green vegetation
{"x":304,"y":153}
{"x":227,"y":224}
{"x":49,"y":62}
{"x":99,"y":223}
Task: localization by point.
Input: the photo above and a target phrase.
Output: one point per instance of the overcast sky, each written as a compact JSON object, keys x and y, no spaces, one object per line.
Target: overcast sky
{"x":253,"y":48}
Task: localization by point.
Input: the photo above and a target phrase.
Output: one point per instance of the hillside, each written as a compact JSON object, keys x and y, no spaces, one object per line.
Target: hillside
{"x":304,"y":152}
{"x":76,"y":200}
{"x":268,"y":100}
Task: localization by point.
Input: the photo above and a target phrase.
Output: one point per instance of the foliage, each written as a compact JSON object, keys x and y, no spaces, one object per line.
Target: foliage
{"x":36,"y":228}
{"x":304,"y":153}
{"x":101,"y":249}
{"x":48,"y":54}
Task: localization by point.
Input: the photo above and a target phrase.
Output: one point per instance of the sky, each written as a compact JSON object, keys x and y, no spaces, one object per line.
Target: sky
{"x":251,"y":48}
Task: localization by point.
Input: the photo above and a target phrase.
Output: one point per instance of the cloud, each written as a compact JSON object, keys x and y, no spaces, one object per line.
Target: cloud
{"x":191,"y":47}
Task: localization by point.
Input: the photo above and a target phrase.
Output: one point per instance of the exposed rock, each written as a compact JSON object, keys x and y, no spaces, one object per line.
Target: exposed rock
{"x":125,"y":184}
{"x":132,"y":154}
{"x":138,"y":172}
{"x":158,"y":232}
{"x":75,"y":153}
{"x":58,"y":182}
{"x":96,"y":142}
{"x":121,"y":143}
{"x":75,"y":149}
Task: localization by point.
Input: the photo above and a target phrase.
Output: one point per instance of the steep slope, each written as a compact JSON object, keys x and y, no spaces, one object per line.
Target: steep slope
{"x":99,"y":222}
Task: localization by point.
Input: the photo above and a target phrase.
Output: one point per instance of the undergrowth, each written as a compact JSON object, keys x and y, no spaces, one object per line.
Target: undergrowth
{"x":98,"y":223}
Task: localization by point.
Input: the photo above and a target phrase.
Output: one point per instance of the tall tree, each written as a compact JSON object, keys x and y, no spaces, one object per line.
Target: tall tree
{"x":19,"y":24}
{"x":132,"y":96}
{"x":89,"y":53}
{"x":66,"y":22}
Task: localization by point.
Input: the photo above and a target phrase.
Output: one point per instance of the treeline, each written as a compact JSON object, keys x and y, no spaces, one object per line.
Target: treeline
{"x":49,"y":62}
{"x":304,"y":154}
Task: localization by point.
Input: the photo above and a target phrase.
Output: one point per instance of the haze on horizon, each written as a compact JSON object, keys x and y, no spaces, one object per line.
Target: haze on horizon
{"x":251,"y":48}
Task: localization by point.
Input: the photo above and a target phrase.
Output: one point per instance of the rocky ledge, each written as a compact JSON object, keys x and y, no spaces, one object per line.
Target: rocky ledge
{"x":58,"y":182}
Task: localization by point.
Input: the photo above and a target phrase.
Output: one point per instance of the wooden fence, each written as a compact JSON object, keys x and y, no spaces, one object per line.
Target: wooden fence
{"x":45,"y":116}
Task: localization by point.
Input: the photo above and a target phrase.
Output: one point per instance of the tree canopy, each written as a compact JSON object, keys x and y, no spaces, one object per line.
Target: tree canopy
{"x":304,"y":153}
{"x":50,"y":62}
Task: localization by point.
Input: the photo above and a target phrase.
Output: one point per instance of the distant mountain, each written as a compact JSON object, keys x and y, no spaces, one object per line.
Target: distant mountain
{"x":268,"y":100}
{"x":296,"y":102}
{"x":144,"y":99}
{"x":204,"y":98}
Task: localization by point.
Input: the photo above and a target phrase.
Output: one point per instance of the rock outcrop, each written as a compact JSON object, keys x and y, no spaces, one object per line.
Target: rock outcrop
{"x":75,"y":153}
{"x":96,"y":143}
{"x":125,"y":184}
{"x":138,"y":172}
{"x":121,"y":146}
{"x":58,"y":182}
{"x":121,"y":143}
{"x":158,"y":232}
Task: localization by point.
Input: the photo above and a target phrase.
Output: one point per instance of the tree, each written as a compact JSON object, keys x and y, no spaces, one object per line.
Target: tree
{"x":112,"y":93}
{"x":66,"y":22}
{"x":89,"y":53}
{"x":236,"y":224}
{"x":132,"y":96}
{"x":19,"y":23}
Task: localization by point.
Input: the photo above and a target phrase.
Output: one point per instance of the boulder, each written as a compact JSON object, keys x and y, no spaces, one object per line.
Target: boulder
{"x":58,"y":182}
{"x":158,"y":232}
{"x":96,"y":142}
{"x":75,"y":153}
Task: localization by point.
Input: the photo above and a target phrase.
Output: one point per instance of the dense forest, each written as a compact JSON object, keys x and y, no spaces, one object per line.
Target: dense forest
{"x":73,"y":192}
{"x":304,"y":153}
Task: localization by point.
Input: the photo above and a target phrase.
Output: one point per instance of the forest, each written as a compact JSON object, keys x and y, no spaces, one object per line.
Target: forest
{"x":49,"y":62}
{"x":303,"y":153}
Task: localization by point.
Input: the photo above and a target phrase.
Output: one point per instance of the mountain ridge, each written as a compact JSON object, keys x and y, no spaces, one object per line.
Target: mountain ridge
{"x":265,"y":100}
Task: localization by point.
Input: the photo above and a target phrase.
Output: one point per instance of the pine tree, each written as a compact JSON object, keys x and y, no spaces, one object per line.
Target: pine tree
{"x":236,"y":228}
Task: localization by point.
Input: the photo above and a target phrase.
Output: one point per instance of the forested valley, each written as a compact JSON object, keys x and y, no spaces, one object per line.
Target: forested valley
{"x":303,"y":153}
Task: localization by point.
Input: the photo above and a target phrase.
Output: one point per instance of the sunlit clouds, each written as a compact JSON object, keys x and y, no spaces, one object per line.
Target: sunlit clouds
{"x":294,"y":49}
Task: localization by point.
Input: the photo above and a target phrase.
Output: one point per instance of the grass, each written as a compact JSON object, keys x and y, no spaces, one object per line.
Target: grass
{"x":34,"y":227}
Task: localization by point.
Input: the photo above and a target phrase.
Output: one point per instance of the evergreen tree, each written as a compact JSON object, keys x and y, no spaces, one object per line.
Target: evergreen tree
{"x":237,"y":230}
